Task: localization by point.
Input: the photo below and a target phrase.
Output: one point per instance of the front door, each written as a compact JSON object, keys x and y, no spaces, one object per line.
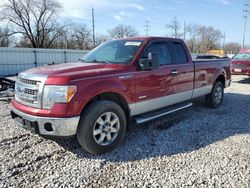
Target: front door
{"x":153,"y":86}
{"x":170,"y":84}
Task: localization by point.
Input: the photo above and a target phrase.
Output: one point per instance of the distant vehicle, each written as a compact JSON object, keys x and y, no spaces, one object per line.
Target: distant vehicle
{"x":211,"y":57}
{"x":208,"y":57}
{"x":132,"y":79}
{"x":241,"y":64}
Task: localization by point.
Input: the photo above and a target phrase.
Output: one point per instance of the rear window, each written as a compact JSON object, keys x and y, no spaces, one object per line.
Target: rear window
{"x":180,"y":53}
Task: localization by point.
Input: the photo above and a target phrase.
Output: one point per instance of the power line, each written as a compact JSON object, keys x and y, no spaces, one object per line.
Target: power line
{"x":245,"y":15}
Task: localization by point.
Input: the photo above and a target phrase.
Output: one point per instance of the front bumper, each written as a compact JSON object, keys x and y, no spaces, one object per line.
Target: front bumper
{"x":47,"y":126}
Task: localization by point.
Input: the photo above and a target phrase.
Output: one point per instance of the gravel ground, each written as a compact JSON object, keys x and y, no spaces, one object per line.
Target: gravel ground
{"x":200,"y":147}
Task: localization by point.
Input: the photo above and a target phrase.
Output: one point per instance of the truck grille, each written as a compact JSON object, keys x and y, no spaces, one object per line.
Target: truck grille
{"x":239,"y":66}
{"x":31,"y":82}
{"x":29,"y":88}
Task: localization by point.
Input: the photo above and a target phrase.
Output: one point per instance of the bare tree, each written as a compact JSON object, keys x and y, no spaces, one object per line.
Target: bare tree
{"x":82,"y":37}
{"x":100,"y":39}
{"x":175,"y":28}
{"x":192,"y":42}
{"x":36,"y":20}
{"x":232,"y":48}
{"x":24,"y":42}
{"x":122,"y":31}
{"x":4,"y":37}
{"x":209,"y":38}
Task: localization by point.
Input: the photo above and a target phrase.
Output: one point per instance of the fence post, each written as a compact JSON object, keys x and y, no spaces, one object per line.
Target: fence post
{"x":35,"y":55}
{"x":65,"y":57}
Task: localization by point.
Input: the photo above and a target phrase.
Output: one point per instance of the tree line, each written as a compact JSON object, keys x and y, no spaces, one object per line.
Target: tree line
{"x":37,"y":24}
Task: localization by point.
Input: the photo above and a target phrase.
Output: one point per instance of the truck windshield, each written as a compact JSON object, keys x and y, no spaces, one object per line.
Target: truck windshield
{"x":114,"y":52}
{"x":242,"y":56}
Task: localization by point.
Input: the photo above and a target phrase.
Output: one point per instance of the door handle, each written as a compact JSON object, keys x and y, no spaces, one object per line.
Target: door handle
{"x":174,"y":72}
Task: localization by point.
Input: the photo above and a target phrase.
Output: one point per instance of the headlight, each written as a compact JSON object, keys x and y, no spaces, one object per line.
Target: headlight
{"x":57,"y":94}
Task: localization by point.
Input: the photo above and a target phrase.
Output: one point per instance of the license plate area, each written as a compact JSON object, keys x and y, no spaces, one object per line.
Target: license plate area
{"x":237,"y":70}
{"x":26,"y":124}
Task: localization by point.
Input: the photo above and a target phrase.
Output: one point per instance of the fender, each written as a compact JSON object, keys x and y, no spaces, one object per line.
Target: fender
{"x":219,"y":72}
{"x":96,"y":87}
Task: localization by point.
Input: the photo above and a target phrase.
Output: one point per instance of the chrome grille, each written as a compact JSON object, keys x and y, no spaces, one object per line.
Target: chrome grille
{"x":31,"y":82}
{"x":29,"y":88}
{"x":31,"y":92}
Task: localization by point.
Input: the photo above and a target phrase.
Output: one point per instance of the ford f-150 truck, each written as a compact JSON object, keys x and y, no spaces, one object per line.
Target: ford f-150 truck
{"x":125,"y":80}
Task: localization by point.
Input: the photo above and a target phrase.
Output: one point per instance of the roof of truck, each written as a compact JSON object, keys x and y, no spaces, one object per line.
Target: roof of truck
{"x":148,"y":38}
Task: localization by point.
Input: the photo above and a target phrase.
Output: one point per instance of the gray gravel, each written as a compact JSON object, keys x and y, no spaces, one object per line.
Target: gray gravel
{"x":200,"y":147}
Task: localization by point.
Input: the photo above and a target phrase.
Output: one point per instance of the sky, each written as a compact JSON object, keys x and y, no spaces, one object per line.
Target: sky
{"x":225,"y":15}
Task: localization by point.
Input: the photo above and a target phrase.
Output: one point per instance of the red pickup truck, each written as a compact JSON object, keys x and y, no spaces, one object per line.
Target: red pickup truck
{"x":132,"y":79}
{"x":241,"y":64}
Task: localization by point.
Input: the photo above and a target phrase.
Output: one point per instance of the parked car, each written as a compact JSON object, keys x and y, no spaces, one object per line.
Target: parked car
{"x":241,"y":64}
{"x":132,"y":79}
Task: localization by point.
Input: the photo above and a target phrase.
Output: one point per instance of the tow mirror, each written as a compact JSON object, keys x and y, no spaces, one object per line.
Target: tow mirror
{"x":151,"y":63}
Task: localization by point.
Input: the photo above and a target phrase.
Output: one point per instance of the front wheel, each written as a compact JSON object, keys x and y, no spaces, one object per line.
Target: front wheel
{"x":215,"y":98}
{"x":102,"y":127}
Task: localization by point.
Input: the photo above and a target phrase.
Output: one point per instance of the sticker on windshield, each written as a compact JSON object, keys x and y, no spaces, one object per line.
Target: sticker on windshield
{"x":132,"y":43}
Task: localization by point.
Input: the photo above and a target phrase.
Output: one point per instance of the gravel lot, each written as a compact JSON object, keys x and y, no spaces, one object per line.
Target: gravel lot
{"x":200,"y":147}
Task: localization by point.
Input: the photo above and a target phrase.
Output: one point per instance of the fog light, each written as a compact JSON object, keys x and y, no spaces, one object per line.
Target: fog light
{"x":48,"y":127}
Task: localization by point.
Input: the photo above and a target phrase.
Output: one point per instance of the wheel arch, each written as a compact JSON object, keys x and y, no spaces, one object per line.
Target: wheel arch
{"x":221,"y":78}
{"x":115,"y":97}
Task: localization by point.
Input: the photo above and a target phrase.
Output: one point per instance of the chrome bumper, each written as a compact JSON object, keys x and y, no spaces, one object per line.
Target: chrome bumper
{"x":48,"y":126}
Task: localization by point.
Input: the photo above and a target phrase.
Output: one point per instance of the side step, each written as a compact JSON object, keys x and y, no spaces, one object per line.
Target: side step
{"x":162,"y":112}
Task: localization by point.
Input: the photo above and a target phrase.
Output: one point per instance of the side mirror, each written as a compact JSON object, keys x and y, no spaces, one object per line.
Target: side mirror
{"x":152,"y":63}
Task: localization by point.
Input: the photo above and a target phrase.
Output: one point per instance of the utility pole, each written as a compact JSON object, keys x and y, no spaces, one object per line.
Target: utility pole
{"x":93,"y":26}
{"x":147,"y":27}
{"x":245,"y":15}
{"x":184,"y":31}
{"x":224,"y":40}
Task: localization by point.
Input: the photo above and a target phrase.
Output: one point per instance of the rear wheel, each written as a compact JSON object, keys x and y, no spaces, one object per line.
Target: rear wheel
{"x":215,"y":98}
{"x":102,"y":127}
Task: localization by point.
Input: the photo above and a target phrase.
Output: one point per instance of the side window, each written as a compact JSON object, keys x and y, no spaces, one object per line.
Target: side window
{"x":162,"y":50}
{"x":180,"y":53}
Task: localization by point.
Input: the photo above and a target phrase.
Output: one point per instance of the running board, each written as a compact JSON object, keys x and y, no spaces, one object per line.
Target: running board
{"x":157,"y":114}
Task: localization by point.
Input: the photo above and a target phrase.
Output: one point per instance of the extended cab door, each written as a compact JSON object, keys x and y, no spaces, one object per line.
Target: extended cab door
{"x":165,"y":86}
{"x":183,"y":69}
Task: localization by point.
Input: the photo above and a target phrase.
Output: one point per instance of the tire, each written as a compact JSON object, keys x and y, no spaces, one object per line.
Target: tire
{"x":215,"y":98}
{"x":3,"y":87}
{"x":97,"y":133}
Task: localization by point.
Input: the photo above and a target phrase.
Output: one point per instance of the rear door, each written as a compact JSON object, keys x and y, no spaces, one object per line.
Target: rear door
{"x":183,"y":71}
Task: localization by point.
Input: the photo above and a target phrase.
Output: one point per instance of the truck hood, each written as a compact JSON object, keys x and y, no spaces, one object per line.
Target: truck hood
{"x":71,"y":71}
